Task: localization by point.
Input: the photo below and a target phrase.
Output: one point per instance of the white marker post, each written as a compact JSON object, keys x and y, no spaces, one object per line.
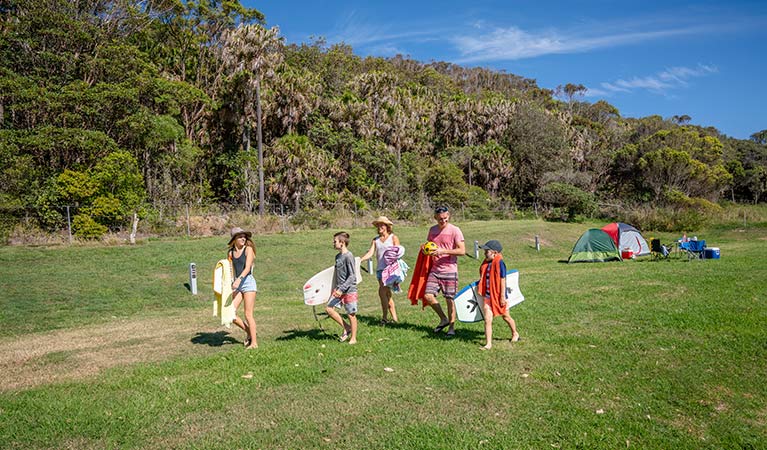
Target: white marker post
{"x":193,"y":278}
{"x":476,"y":249}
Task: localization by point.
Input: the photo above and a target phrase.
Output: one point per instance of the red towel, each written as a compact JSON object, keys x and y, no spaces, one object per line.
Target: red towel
{"x":417,"y":287}
{"x":495,"y":284}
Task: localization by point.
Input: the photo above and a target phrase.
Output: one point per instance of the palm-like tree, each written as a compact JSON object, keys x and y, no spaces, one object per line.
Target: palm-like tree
{"x":252,"y":51}
{"x":294,"y":95}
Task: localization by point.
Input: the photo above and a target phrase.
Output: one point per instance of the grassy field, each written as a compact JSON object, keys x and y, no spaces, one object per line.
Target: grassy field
{"x":105,"y":347}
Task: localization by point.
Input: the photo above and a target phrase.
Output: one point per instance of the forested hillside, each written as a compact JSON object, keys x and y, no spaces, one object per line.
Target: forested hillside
{"x":120,"y":108}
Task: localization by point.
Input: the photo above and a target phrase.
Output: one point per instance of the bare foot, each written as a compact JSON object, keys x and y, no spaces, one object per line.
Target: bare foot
{"x":352,"y":342}
{"x":486,"y":347}
{"x":251,"y":346}
{"x":515,"y":337}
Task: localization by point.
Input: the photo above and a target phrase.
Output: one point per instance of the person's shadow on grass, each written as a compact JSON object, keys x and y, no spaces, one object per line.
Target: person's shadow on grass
{"x":216,"y":339}
{"x":317,"y":334}
{"x":461,"y":334}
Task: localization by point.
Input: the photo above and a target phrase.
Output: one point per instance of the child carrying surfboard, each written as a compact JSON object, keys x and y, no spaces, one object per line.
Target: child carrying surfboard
{"x":492,"y":286}
{"x":345,"y":292}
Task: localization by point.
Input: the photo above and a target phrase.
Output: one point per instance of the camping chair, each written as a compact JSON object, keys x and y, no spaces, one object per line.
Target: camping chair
{"x":658,"y":250}
{"x":695,"y":249}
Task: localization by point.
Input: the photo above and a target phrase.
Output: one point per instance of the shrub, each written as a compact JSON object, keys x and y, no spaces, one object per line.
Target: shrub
{"x":445,"y":185}
{"x":479,"y":205}
{"x":566,"y":202}
{"x":312,"y":219}
{"x":686,"y":214}
{"x":87,"y":228}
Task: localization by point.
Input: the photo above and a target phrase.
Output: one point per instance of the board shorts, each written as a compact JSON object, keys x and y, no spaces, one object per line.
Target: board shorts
{"x":348,"y":300}
{"x":247,"y":285}
{"x":447,"y":283}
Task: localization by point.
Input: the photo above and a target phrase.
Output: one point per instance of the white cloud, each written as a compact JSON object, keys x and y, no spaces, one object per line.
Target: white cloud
{"x":660,"y":83}
{"x":513,"y":43}
{"x":364,"y":33}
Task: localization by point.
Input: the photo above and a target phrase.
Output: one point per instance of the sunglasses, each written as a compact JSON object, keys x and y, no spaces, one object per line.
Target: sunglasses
{"x":440,"y":210}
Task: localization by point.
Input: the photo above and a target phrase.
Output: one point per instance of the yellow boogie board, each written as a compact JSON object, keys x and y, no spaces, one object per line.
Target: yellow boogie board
{"x":222,"y":292}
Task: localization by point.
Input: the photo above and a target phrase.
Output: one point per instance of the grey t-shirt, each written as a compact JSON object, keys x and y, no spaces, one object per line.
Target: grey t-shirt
{"x":346,"y":279}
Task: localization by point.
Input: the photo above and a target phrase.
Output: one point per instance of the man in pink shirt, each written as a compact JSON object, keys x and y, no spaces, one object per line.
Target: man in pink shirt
{"x":443,"y":275}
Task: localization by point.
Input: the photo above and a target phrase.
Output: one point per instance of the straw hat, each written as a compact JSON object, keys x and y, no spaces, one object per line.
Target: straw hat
{"x":383,"y":220}
{"x":237,"y":231}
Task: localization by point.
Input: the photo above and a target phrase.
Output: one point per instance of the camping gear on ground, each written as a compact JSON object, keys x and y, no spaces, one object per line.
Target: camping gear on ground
{"x":627,"y":253}
{"x":658,"y":250}
{"x":711,"y":253}
{"x":222,"y":292}
{"x":626,"y":236}
{"x":694,"y":248}
{"x":594,"y":245}
{"x":469,"y":304}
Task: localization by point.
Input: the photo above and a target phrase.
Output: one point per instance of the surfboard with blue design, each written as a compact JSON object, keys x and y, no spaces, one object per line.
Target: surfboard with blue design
{"x":469,"y":304}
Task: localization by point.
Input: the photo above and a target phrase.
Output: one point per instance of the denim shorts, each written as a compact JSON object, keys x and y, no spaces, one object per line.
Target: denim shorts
{"x":247,"y":285}
{"x":379,"y":274}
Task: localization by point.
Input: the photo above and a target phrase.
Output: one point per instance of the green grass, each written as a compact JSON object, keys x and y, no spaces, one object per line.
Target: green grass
{"x":636,"y":354}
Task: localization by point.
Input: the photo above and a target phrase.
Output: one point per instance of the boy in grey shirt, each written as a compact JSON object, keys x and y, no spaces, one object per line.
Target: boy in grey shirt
{"x":345,"y":292}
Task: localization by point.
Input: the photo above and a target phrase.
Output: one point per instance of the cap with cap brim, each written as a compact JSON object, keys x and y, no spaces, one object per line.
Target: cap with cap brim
{"x":492,"y":245}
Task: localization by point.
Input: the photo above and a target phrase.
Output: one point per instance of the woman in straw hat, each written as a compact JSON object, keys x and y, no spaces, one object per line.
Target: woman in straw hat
{"x":384,"y":240}
{"x":242,"y":252}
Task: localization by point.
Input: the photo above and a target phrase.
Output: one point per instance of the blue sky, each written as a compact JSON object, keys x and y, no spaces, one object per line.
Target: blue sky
{"x":705,"y":59}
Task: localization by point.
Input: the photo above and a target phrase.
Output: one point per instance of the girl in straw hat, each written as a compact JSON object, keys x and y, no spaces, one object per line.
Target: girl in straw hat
{"x":384,"y":240}
{"x":242,"y":252}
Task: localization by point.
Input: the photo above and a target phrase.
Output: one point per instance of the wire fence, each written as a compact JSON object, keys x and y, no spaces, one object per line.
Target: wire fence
{"x":20,"y":224}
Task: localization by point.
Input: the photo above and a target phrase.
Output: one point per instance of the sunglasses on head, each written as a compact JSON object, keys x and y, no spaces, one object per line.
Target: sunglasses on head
{"x":440,"y":210}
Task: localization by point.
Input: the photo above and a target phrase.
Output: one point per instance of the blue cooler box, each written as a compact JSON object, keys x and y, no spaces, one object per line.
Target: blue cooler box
{"x":711,"y":253}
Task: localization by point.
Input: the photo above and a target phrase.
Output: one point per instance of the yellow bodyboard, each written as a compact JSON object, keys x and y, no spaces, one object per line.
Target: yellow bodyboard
{"x":222,"y":292}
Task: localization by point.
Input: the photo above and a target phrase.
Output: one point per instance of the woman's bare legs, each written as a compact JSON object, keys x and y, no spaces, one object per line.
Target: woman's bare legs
{"x":387,"y":303}
{"x":250,"y":301}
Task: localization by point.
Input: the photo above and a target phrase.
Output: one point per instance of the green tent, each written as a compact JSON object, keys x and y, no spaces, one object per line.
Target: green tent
{"x":594,"y":246}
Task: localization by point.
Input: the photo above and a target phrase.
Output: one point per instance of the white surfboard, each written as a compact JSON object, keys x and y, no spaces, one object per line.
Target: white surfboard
{"x":222,"y":292}
{"x":469,"y":304}
{"x":318,"y":288}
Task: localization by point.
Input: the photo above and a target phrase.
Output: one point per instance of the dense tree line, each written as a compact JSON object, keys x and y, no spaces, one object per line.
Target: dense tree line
{"x":122,"y":106}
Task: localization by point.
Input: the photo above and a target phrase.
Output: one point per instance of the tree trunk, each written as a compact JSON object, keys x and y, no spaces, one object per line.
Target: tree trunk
{"x":246,"y":173}
{"x":260,"y":150}
{"x":134,"y":226}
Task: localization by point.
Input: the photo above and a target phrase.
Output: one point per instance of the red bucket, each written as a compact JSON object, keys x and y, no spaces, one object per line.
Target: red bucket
{"x":627,"y":254}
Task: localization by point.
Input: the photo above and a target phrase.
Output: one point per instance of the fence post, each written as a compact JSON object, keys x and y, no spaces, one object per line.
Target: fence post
{"x":69,"y":225}
{"x":187,"y":220}
{"x":537,"y":243}
{"x":476,"y":249}
{"x":193,"y":278}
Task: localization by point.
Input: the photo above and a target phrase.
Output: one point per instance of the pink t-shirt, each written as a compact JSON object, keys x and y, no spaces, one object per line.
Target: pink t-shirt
{"x":448,"y":238}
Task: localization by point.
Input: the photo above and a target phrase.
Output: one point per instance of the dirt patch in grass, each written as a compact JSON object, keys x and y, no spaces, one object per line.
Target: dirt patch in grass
{"x":64,"y":355}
